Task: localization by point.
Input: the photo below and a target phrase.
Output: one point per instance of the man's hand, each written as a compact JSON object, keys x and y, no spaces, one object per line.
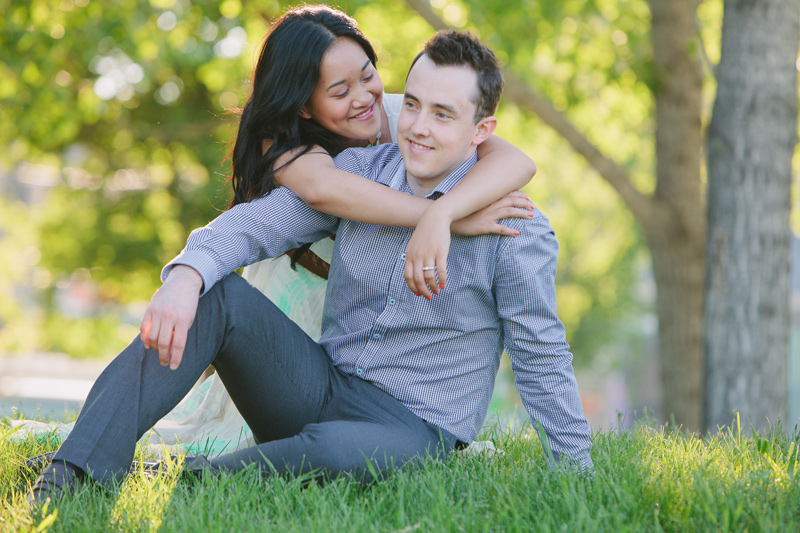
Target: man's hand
{"x":169,"y":316}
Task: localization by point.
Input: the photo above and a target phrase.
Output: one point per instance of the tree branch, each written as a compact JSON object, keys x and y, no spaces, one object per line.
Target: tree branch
{"x":518,"y":91}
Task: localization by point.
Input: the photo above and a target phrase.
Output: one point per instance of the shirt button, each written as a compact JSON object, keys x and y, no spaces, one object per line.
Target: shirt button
{"x":403,"y":256}
{"x":359,"y":371}
{"x":376,"y":336}
{"x":392,"y":301}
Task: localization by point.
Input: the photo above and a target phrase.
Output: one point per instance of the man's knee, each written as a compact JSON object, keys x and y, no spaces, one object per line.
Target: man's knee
{"x":230,"y":285}
{"x":235,"y":291}
{"x":345,"y":448}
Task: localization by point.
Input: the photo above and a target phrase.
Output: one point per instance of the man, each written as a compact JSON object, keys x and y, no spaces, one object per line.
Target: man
{"x":395,"y":377}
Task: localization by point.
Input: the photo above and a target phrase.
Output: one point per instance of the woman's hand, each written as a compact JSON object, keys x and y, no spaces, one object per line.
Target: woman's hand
{"x":170,"y":314}
{"x":430,"y":242}
{"x":426,"y":253}
{"x":483,"y":221}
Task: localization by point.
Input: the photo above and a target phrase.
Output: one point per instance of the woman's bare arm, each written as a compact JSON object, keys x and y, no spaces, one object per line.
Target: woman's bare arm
{"x":315,"y":179}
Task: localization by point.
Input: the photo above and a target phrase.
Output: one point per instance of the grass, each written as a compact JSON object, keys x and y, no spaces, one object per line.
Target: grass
{"x":646,"y":479}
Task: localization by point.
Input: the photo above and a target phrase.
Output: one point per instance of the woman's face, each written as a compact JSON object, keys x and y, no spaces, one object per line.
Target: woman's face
{"x":347,"y":98}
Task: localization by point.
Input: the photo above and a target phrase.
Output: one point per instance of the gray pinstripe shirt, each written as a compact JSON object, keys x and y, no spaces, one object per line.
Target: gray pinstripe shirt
{"x":438,"y":357}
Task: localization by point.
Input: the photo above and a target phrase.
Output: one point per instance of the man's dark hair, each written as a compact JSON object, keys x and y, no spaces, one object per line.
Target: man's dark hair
{"x":453,"y":48}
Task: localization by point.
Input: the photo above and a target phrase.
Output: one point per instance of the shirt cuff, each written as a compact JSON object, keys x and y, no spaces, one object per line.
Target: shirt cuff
{"x":201,"y":262}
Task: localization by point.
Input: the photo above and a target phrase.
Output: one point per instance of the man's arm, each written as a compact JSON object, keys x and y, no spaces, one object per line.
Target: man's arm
{"x":242,"y":235}
{"x":250,"y":232}
{"x":536,"y":341}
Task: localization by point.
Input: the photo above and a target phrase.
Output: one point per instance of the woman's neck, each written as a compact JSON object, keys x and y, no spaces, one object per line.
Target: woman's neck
{"x":354,"y":143}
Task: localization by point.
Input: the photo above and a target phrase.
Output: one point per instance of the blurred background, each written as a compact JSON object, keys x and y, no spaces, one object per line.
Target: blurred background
{"x":115,"y":124}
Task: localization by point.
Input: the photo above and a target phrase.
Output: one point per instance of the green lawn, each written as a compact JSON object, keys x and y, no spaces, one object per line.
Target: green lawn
{"x":646,"y":479}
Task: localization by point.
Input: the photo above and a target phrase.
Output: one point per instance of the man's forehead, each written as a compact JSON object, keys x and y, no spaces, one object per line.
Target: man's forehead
{"x":445,"y":84}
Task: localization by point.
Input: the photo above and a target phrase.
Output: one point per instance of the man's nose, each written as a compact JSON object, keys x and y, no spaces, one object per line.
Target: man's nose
{"x":420,"y":125}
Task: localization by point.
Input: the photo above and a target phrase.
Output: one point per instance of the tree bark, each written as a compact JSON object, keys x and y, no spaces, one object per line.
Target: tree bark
{"x":676,"y":238}
{"x":751,"y":141}
{"x":673,"y":218}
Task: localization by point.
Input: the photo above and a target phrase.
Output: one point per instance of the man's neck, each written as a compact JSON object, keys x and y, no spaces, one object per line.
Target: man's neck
{"x":420,"y":189}
{"x":424,"y":188}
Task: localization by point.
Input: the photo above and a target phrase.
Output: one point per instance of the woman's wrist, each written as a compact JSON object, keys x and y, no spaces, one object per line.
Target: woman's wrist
{"x":438,"y":213}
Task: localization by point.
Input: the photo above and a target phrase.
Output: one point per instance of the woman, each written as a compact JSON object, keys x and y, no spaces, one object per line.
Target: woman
{"x":315,"y":92}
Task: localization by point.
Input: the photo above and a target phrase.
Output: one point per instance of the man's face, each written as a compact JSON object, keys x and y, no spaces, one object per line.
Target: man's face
{"x":436,"y":131}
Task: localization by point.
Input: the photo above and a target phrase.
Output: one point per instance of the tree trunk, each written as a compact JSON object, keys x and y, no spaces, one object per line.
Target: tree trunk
{"x":676,"y":231}
{"x":751,"y":141}
{"x":679,"y":271}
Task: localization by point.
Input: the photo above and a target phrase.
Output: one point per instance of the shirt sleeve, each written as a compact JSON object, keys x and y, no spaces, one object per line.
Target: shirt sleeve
{"x":536,"y":342}
{"x":250,"y":232}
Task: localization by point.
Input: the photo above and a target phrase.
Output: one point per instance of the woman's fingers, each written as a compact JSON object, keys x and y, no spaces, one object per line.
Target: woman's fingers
{"x":408,"y":274}
{"x":441,"y":270}
{"x":421,"y":278}
{"x":431,"y":283}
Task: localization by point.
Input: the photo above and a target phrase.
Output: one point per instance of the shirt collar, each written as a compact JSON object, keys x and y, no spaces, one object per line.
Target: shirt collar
{"x":453,"y":179}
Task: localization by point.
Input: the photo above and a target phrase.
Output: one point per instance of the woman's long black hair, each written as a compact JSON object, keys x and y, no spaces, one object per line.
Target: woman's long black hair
{"x":286,"y":74}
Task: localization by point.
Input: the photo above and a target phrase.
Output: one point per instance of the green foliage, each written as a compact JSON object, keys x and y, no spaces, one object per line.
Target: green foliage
{"x":646,"y":479}
{"x":130,"y":107}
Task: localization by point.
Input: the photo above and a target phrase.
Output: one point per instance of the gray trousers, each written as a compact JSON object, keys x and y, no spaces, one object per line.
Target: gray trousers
{"x":306,"y":415}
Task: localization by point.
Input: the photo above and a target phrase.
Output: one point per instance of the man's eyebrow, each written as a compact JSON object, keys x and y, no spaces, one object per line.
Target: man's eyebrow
{"x":334,"y":84}
{"x":445,"y":107}
{"x":448,"y":108}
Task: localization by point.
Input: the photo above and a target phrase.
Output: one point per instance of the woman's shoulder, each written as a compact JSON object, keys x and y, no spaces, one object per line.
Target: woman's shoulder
{"x":392,"y":105}
{"x":393,"y":101}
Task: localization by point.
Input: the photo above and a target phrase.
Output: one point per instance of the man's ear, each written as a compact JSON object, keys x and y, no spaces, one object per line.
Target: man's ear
{"x":485,"y":128}
{"x":304,"y":113}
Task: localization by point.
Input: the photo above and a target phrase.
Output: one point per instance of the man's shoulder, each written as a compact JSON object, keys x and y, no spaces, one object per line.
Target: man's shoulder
{"x":536,"y":237}
{"x":367,"y":162}
{"x":536,"y":223}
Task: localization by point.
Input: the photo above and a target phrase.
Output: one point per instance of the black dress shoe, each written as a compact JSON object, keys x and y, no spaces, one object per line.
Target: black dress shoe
{"x":37,"y":463}
{"x":58,"y":478}
{"x":200,"y":465}
{"x":159,"y":466}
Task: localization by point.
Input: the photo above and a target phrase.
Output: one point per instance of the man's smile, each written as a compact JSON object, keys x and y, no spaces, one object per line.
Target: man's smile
{"x":415,"y":146}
